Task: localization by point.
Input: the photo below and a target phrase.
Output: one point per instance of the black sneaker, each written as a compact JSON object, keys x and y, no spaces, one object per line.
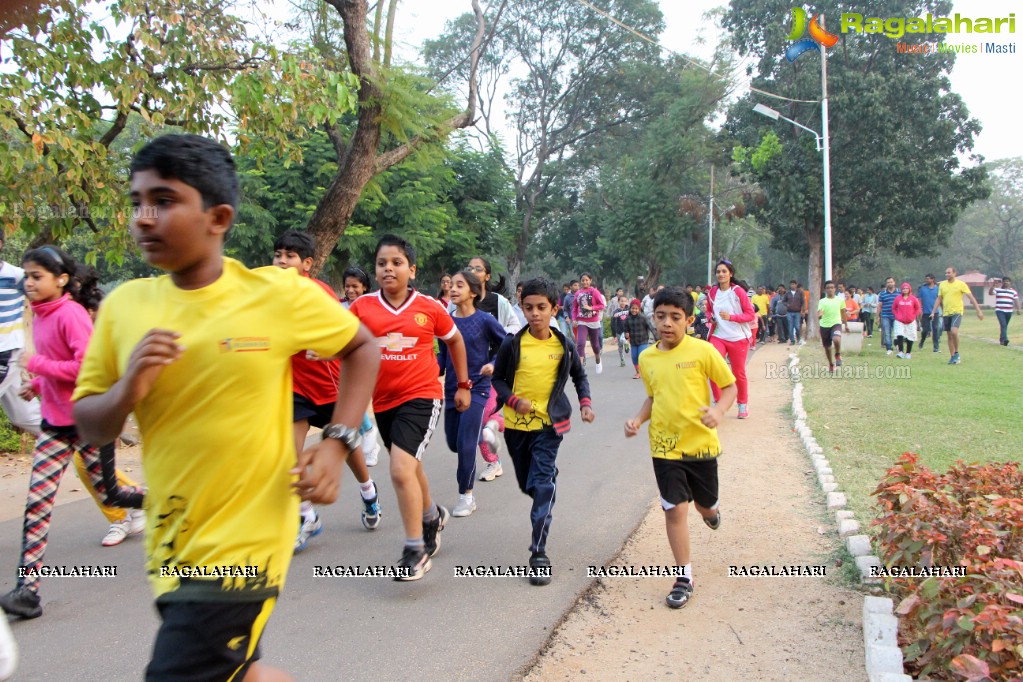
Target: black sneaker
{"x":713,"y":523}
{"x":540,"y":569}
{"x":680,"y":593}
{"x":23,"y":602}
{"x":413,"y":565}
{"x":432,"y":529}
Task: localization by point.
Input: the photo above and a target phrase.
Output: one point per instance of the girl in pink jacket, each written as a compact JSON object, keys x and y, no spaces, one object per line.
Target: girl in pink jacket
{"x":730,"y":313}
{"x":906,"y":309}
{"x":587,"y":311}
{"x":61,"y":331}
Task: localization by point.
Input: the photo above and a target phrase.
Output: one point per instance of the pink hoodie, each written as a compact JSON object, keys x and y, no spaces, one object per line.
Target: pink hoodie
{"x":61,"y":331}
{"x":906,"y":308}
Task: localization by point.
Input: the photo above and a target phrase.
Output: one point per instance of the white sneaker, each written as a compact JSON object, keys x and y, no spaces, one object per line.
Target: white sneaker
{"x":138,"y":522}
{"x":8,"y":650}
{"x":889,"y":353}
{"x":489,"y":434}
{"x":600,"y":368}
{"x":491,"y":471}
{"x":466,"y":506}
{"x":371,"y":447}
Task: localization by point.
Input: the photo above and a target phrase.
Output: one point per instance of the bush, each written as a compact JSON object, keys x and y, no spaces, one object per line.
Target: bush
{"x":10,"y":439}
{"x":972,"y":516}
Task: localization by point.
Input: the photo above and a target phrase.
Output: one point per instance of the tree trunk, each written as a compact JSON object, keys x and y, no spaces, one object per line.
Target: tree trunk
{"x":815,"y":238}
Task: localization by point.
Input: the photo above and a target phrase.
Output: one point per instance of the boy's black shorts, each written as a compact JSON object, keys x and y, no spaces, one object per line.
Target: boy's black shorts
{"x":829,"y":333}
{"x":683,"y":481}
{"x":207,"y":641}
{"x":318,"y":415}
{"x":409,"y":425}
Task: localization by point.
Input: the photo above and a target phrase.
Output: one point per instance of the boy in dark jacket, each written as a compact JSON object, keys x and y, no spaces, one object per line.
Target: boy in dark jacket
{"x":530,"y":375}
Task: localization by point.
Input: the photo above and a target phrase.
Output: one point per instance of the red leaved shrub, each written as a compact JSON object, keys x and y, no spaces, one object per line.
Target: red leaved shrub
{"x":968,"y":626}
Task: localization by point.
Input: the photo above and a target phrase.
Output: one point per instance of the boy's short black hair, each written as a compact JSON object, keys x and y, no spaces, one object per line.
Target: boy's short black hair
{"x":675,"y":296}
{"x":402,"y":244}
{"x":197,"y":161}
{"x":574,"y":281}
{"x":830,"y":281}
{"x":296,"y":241}
{"x":541,"y":286}
{"x":358,"y":273}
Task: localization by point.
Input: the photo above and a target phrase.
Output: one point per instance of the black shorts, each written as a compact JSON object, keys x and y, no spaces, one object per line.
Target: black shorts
{"x":684,"y":481}
{"x":409,"y":425}
{"x":317,"y":415}
{"x":828,"y":333}
{"x":952,"y":321}
{"x":207,"y":641}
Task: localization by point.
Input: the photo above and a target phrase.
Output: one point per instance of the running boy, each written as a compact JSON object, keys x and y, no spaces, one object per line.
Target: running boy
{"x":831,"y":314}
{"x":530,"y":375}
{"x":683,"y":437}
{"x":315,"y":387}
{"x":407,"y":398}
{"x":202,"y":356}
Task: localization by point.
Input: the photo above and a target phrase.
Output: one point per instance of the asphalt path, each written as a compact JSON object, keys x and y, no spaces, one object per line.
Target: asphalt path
{"x":345,"y":628}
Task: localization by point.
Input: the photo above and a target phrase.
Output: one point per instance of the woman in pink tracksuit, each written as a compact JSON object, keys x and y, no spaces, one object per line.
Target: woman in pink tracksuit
{"x":730,"y":312}
{"x":906,"y":309}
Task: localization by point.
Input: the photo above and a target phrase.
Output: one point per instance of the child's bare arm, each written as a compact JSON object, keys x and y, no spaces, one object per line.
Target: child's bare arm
{"x":632,"y":425}
{"x":713,"y":416}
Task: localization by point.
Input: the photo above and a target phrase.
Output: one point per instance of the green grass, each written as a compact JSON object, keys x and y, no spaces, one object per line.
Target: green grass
{"x":969,"y":411}
{"x":988,"y":327}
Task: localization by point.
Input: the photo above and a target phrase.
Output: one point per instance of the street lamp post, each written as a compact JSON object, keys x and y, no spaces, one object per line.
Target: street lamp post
{"x":822,"y":146}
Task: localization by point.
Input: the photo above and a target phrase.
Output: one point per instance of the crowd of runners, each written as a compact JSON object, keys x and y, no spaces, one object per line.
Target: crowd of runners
{"x":227,"y":368}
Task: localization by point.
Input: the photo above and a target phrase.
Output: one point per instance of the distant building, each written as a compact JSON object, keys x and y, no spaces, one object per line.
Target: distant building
{"x":979,"y":284}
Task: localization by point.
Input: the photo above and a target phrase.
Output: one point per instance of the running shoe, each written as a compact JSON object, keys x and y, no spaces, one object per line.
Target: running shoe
{"x":132,"y":524}
{"x":888,"y":353}
{"x":309,"y":528}
{"x":900,"y":355}
{"x":714,"y":522}
{"x":838,"y":360}
{"x":600,"y":368}
{"x":637,"y":376}
{"x":680,"y":594}
{"x":371,"y":511}
{"x":743,"y":411}
{"x":371,"y":448}
{"x":23,"y":602}
{"x":539,"y":560}
{"x":957,"y":358}
{"x":8,"y":651}
{"x":466,"y":506}
{"x":432,"y":530}
{"x":413,"y":565}
{"x":909,"y":356}
{"x":491,"y":471}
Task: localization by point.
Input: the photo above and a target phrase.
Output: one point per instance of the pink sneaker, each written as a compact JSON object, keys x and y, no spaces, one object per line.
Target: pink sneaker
{"x":743,"y":411}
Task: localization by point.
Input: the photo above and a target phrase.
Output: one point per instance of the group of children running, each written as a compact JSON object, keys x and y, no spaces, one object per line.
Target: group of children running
{"x":226,"y":368}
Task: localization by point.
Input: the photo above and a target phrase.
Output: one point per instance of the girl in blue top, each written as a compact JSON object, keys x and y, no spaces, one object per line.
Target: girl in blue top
{"x":483,"y":335}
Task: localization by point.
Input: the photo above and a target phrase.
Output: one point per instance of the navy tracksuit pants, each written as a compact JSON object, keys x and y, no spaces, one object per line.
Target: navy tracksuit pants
{"x":534,"y":455}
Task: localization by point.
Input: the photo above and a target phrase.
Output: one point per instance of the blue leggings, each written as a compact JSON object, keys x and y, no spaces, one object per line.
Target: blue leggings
{"x":462,"y":430}
{"x":636,"y":350}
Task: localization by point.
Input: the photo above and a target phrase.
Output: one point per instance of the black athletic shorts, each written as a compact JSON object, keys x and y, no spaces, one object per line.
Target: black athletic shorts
{"x":318,"y":415}
{"x":952,"y":321}
{"x":682,"y":481}
{"x":207,"y":641}
{"x":828,"y":333}
{"x":409,"y":425}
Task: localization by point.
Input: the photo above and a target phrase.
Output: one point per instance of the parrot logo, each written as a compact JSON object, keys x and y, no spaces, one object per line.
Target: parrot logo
{"x":819,"y":38}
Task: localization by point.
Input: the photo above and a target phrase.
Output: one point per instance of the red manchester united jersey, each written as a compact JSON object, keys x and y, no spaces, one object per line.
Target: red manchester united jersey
{"x":408,"y":367}
{"x":316,"y":379}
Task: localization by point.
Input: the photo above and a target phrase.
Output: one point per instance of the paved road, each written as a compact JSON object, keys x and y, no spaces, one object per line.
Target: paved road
{"x":442,"y":627}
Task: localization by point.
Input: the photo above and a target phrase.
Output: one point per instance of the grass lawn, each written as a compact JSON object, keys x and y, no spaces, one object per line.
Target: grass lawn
{"x":972,"y":411}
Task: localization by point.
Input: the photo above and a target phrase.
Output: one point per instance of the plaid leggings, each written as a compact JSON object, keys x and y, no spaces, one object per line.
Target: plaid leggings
{"x":53,"y":451}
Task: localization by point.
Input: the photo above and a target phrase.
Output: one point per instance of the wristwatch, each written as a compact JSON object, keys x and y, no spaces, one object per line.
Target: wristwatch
{"x":345,"y":434}
{"x":465,"y":384}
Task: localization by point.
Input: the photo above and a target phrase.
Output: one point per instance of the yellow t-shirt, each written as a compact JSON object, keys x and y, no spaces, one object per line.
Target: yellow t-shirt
{"x":951,"y":295}
{"x":762,"y":302}
{"x":677,"y":381}
{"x":217,"y":422}
{"x":534,"y":380}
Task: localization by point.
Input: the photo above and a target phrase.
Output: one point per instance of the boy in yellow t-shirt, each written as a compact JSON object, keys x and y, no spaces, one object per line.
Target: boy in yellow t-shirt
{"x":683,"y":437}
{"x":202,"y":356}
{"x":530,"y":375}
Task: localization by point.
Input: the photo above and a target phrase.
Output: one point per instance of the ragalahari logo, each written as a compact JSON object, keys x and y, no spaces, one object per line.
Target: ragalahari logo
{"x":819,"y":38}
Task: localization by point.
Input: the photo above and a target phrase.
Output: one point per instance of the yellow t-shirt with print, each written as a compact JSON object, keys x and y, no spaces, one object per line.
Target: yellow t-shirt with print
{"x":677,"y":381}
{"x":534,"y":380}
{"x":762,"y":302}
{"x":951,"y":295}
{"x":217,"y":422}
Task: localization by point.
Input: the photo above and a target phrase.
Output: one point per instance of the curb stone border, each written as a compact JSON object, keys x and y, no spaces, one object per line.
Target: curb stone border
{"x":880,"y":626}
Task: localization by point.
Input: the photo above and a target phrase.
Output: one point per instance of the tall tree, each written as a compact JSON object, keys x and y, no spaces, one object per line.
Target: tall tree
{"x":990,"y":232}
{"x":897,"y":132}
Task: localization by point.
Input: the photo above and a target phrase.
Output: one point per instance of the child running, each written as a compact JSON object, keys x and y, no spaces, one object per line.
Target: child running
{"x":907,"y":309}
{"x":638,"y":330}
{"x":683,"y":427}
{"x":530,"y":375}
{"x":482,"y":335}
{"x":407,"y":398}
{"x":314,"y":388}
{"x":831,"y":314}
{"x":587,"y":308}
{"x":203,"y":358}
{"x":618,"y":328}
{"x":356,"y":283}
{"x":61,"y":331}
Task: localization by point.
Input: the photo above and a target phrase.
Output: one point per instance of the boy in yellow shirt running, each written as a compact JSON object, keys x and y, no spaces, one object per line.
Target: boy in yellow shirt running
{"x":683,"y":426}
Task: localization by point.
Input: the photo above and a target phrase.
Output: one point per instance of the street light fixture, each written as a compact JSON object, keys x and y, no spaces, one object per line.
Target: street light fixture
{"x":822,"y":146}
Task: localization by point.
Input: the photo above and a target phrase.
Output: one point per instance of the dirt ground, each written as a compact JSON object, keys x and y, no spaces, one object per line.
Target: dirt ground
{"x":752,"y":628}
